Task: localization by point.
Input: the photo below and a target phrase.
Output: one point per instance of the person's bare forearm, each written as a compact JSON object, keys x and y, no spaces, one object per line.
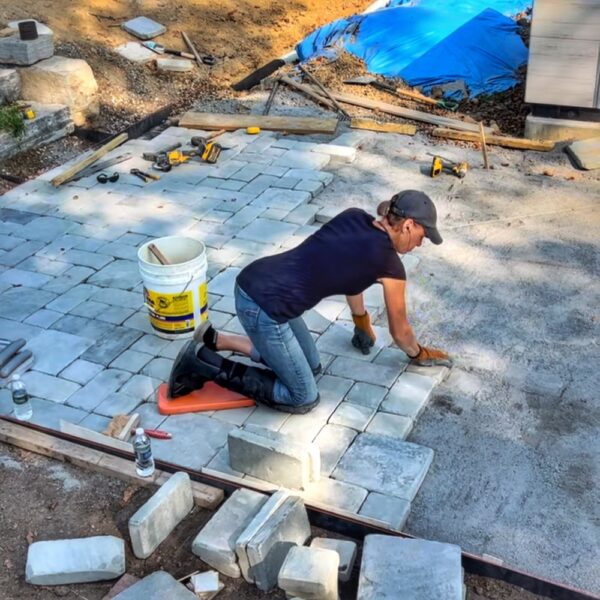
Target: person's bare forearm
{"x":406,"y":340}
{"x":356,"y":304}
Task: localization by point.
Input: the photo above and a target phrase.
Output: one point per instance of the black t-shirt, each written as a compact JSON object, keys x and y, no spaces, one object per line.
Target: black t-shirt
{"x":345,"y":256}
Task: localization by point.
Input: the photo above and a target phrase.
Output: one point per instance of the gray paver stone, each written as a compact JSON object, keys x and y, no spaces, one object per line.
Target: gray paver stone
{"x":224,"y":282}
{"x":80,"y":560}
{"x":397,"y":426}
{"x":141,"y":387}
{"x":266,"y":551}
{"x":267,"y":231}
{"x":81,"y":371}
{"x":363,"y":371}
{"x":346,"y":551}
{"x":158,"y":368}
{"x":274,"y":458}
{"x":19,"y":277}
{"x":158,"y":586}
{"x":69,"y":300}
{"x":310,"y":573}
{"x":215,"y":544}
{"x":18,"y":303}
{"x":409,"y":395}
{"x":151,"y":344}
{"x":354,"y":416}
{"x":333,"y":441}
{"x":155,"y":520}
{"x":311,"y":186}
{"x":121,"y":274}
{"x":337,"y":152}
{"x":366,"y":394}
{"x":386,"y":465}
{"x":421,"y":569}
{"x":297,"y":159}
{"x":98,"y":388}
{"x":43,"y":318}
{"x":337,"y":494}
{"x":45,"y":386}
{"x":20,"y":253}
{"x":131,"y":361}
{"x":143,"y":28}
{"x":282,"y":199}
{"x":112,"y":343}
{"x":116,"y":403}
{"x":49,"y":414}
{"x":388,"y":509}
{"x":47,"y":229}
{"x":54,"y":350}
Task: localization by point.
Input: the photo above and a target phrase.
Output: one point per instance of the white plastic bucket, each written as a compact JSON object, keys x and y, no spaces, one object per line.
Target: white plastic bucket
{"x":175,"y":294}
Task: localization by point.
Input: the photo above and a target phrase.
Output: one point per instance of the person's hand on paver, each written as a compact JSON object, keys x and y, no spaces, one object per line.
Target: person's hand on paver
{"x":431,"y":357}
{"x":364,"y":337}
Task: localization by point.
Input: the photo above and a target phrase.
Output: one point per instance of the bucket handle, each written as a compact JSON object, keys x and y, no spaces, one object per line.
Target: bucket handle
{"x":151,"y":308}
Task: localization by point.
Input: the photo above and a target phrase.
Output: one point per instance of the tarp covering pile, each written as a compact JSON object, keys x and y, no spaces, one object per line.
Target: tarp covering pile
{"x":430,"y":43}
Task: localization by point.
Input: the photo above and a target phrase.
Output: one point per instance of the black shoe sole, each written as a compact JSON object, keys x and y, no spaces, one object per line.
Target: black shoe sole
{"x":184,"y":378}
{"x":301,"y":409}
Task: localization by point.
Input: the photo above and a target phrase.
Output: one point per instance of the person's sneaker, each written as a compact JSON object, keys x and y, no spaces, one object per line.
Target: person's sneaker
{"x":189,"y":373}
{"x":206,"y":334}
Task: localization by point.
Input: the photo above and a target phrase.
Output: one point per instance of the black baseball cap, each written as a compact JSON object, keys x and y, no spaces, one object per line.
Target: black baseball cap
{"x":412,"y":204}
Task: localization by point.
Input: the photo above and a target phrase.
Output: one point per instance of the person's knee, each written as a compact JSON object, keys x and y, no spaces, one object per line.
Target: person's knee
{"x":305,"y":396}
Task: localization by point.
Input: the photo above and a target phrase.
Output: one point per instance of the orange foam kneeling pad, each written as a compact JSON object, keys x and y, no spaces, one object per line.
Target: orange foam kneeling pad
{"x":210,"y":397}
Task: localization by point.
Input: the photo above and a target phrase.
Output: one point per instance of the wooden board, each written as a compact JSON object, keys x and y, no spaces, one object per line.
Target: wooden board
{"x":307,"y":90}
{"x":93,"y":436}
{"x":89,"y":160}
{"x":210,"y":121}
{"x":496,"y":140}
{"x":586,"y":153}
{"x":23,"y":437}
{"x":407,"y":113}
{"x":403,"y":128}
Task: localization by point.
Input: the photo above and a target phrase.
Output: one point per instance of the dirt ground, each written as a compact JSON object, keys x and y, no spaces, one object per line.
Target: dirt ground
{"x":44,"y":499}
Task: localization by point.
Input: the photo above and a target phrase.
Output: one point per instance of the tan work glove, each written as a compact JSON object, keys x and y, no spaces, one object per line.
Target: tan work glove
{"x":364,"y":337}
{"x":431,"y":357}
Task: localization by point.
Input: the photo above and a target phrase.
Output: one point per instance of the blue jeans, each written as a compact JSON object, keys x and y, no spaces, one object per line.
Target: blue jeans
{"x":287,"y":348}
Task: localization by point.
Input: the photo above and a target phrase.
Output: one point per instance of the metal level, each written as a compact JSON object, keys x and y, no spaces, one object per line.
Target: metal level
{"x":353,"y":527}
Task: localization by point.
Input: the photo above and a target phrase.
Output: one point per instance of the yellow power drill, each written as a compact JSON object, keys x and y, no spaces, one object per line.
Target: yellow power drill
{"x":439,"y":164}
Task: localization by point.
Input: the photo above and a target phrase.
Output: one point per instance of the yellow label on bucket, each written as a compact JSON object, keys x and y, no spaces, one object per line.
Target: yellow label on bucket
{"x":170,"y":312}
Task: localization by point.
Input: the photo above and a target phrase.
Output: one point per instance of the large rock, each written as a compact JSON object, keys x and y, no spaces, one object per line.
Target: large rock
{"x":61,"y":80}
{"x":60,"y":562}
{"x":15,"y":51}
{"x":10,"y":85}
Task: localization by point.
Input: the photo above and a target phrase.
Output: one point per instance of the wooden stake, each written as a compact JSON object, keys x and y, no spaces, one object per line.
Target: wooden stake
{"x":308,"y":91}
{"x":160,"y":257}
{"x":192,"y":48}
{"x":314,"y":80}
{"x":486,"y":164}
{"x":271,"y":97}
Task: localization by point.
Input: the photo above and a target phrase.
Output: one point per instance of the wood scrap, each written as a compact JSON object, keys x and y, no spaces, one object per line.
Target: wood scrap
{"x":495,"y":140}
{"x":211,"y":121}
{"x":160,"y":257}
{"x":93,"y":436}
{"x":192,"y":48}
{"x":406,"y":113}
{"x":115,"y":426}
{"x":486,"y":164}
{"x":271,"y":97}
{"x":585,"y":153}
{"x":308,"y":91}
{"x":368,"y":124}
{"x":89,"y":160}
{"x":321,"y":87}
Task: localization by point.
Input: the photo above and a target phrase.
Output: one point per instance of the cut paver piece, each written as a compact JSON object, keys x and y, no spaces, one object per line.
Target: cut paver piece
{"x":409,"y":395}
{"x":158,"y":586}
{"x":273,"y":457}
{"x":310,"y":573}
{"x":383,"y":464}
{"x":215,"y":544}
{"x":266,"y":551}
{"x":135,"y":52}
{"x":143,"y":28}
{"x":336,"y":494}
{"x":351,"y":415}
{"x":390,"y":510}
{"x":155,"y":520}
{"x":397,"y":426}
{"x":346,"y":551}
{"x":79,"y":560}
{"x":421,"y":569}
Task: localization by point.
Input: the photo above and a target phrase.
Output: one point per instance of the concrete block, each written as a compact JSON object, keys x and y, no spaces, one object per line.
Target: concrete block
{"x":205,"y":583}
{"x":215,"y":544}
{"x":397,"y":426}
{"x":437,"y":373}
{"x":353,"y":416}
{"x":351,"y":138}
{"x":62,"y":80}
{"x":360,"y":370}
{"x":41,"y":385}
{"x":346,"y":551}
{"x":121,"y":274}
{"x":297,"y":159}
{"x":155,"y":520}
{"x":158,"y":586}
{"x":547,"y":128}
{"x":178,"y":65}
{"x":10,"y":85}
{"x":311,"y":175}
{"x":267,"y":549}
{"x":333,"y":441}
{"x":386,"y":465}
{"x":281,"y":199}
{"x":135,"y":52}
{"x":336,"y":494}
{"x":98,"y":388}
{"x":267,"y":231}
{"x":15,"y":51}
{"x":366,"y":394}
{"x":273,"y":457}
{"x":340,"y":153}
{"x":409,"y":395}
{"x":55,"y":350}
{"x":143,"y":28}
{"x":421,"y":569}
{"x":310,"y":573}
{"x":80,"y":560}
{"x":388,"y":509}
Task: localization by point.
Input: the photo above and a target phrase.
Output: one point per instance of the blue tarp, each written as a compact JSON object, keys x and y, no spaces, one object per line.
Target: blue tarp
{"x":431,"y":42}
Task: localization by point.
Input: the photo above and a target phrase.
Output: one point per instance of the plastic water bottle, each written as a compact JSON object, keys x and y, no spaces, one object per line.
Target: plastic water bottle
{"x":144,"y":462}
{"x":22,"y":404}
